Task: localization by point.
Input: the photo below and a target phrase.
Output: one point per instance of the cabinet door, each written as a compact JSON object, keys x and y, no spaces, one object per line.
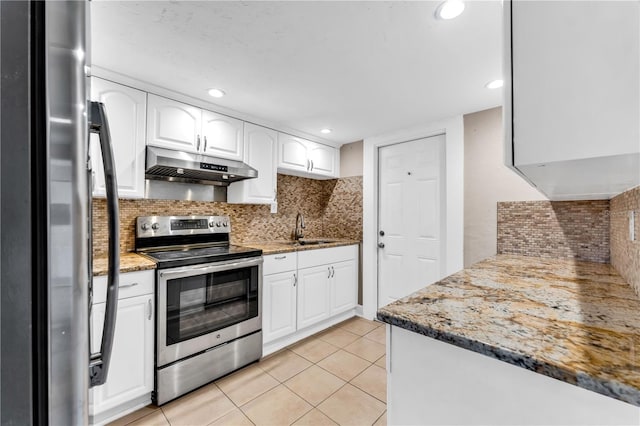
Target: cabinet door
{"x":292,"y":153}
{"x":344,"y":286}
{"x":173,"y":125}
{"x":222,"y":136}
{"x":126,"y":110}
{"x":313,"y":295}
{"x":278,"y":305}
{"x":131,"y":370}
{"x":260,"y":152}
{"x":323,"y":160}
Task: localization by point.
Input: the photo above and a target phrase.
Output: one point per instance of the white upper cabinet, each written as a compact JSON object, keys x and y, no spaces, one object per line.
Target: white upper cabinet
{"x":572,"y":96}
{"x":260,"y":152}
{"x":301,"y":157}
{"x":222,"y":136}
{"x":173,"y":125}
{"x":126,"y":113}
{"x":292,"y":153}
{"x":323,"y":160}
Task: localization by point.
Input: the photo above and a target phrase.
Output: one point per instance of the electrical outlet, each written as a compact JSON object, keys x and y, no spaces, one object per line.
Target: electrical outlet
{"x":632,"y":225}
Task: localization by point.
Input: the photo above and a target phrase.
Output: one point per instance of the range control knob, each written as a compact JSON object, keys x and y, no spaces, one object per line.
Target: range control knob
{"x":225,"y":224}
{"x":211,"y":224}
{"x":218,"y":225}
{"x":155,"y":226}
{"x":145,"y":226}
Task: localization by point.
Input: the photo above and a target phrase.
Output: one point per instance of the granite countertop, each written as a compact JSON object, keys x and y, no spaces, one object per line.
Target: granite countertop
{"x":282,"y":246}
{"x":129,"y":262}
{"x":578,"y":322}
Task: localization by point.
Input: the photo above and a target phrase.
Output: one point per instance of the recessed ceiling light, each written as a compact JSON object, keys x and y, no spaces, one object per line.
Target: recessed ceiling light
{"x":325,"y":131}
{"x":216,"y":93}
{"x":449,"y":9}
{"x":495,"y":84}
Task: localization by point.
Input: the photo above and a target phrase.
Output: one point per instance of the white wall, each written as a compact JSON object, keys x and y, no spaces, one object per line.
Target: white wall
{"x":351,"y":159}
{"x":453,"y":129}
{"x":486,"y":182}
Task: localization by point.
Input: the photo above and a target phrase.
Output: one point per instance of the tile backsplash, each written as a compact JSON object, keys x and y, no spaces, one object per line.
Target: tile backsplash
{"x":332,"y":208}
{"x":554,"y":229}
{"x":625,"y":254}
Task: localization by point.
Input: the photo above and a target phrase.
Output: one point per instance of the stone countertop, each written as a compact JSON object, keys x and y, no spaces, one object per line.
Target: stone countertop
{"x":276,"y":247}
{"x":129,"y":262}
{"x":578,"y":322}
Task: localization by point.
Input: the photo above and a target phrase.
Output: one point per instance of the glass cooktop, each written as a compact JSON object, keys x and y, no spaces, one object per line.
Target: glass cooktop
{"x":196,"y":256}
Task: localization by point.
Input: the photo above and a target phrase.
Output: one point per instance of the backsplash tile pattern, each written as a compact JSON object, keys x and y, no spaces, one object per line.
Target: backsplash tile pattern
{"x":332,"y":208}
{"x":625,"y":254}
{"x":343,"y":214}
{"x":555,"y":229}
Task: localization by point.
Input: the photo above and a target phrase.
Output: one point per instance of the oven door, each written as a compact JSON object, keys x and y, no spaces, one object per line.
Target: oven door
{"x":203,"y":306}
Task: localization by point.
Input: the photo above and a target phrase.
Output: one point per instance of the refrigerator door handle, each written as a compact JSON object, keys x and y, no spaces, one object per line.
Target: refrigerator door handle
{"x":99,"y":363}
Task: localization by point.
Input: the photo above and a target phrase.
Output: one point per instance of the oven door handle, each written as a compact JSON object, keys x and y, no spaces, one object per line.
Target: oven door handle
{"x":210,"y":268}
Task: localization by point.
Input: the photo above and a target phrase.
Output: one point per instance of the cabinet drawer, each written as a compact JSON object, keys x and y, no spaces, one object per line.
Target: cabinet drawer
{"x":309,"y":258}
{"x":276,"y":263}
{"x":131,"y":284}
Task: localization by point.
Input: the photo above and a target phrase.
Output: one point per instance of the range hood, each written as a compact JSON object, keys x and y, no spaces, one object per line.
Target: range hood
{"x":179,"y":166}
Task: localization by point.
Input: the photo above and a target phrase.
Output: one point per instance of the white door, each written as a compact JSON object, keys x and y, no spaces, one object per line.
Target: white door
{"x":410,"y":217}
{"x":292,"y":153}
{"x":222,"y":136}
{"x":344,"y":286}
{"x":173,"y":125}
{"x":127,"y":114}
{"x":278,"y":305}
{"x":313,"y":295}
{"x":260,"y":152}
{"x":131,"y":371}
{"x":323,"y":159}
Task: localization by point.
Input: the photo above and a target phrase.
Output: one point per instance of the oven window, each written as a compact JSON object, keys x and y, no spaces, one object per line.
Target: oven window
{"x":202,"y":304}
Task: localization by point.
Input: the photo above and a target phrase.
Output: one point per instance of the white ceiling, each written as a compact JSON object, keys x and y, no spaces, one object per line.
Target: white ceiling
{"x":360,"y":68}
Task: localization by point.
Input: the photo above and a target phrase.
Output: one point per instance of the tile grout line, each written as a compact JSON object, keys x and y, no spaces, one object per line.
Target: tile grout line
{"x":383,"y":413}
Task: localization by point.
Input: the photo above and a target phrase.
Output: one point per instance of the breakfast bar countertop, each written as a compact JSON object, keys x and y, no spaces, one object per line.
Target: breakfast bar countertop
{"x":578,"y":322}
{"x":288,"y":246}
{"x":129,"y":262}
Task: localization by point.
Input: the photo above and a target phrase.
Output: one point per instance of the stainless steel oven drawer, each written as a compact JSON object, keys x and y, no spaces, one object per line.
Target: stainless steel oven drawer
{"x":191,"y":373}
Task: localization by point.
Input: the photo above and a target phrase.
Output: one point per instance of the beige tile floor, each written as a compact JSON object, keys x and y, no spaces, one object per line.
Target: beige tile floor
{"x":334,"y":377}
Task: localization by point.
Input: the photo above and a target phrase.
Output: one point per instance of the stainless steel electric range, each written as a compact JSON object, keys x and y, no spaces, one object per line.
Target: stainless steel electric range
{"x":208,"y":298}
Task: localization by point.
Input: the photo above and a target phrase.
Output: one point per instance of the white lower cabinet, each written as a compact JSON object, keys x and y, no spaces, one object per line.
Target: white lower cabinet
{"x":307,"y":291}
{"x":279,"y":305}
{"x":130,"y":375}
{"x":314,"y":293}
{"x":344,"y":295}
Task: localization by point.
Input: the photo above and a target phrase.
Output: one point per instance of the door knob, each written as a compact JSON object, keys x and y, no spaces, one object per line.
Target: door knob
{"x":381,"y":245}
{"x":381,"y":233}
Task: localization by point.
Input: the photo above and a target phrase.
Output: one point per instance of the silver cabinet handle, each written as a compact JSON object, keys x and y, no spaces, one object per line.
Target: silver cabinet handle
{"x":205,"y":144}
{"x":295,"y":279}
{"x":129,"y":285}
{"x":311,"y":165}
{"x":333,"y":272}
{"x":197,"y":142}
{"x":329,"y":269}
{"x":308,"y":164}
{"x":381,"y":245}
{"x":99,"y":363}
{"x":150,"y":310}
{"x":280,"y":257}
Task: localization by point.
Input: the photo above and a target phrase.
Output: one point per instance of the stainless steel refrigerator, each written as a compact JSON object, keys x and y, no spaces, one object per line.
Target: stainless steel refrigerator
{"x":46,"y":367}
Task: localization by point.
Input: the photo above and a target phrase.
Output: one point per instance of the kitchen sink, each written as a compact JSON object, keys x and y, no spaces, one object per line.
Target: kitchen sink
{"x":310,"y":242}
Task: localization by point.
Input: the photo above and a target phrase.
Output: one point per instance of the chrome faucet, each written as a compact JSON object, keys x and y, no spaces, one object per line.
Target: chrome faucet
{"x":297,"y":233}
